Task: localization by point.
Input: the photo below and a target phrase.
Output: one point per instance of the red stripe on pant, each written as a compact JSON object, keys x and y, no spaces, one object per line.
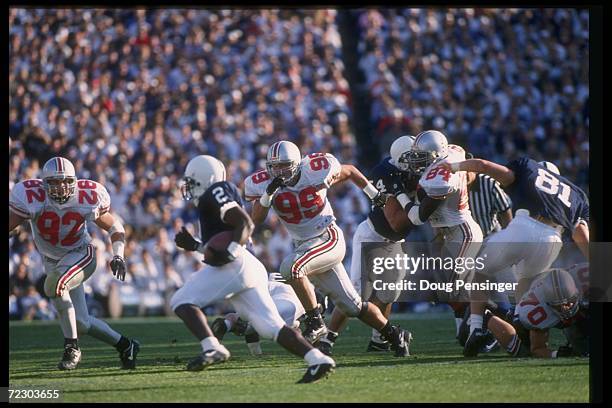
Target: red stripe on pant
{"x":316,"y":250}
{"x":74,"y":270}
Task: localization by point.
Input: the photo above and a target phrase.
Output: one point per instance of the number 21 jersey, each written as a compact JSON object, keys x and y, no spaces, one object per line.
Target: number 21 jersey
{"x":303,"y":208}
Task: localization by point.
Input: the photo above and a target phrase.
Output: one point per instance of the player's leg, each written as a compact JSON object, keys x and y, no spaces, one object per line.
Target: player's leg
{"x":256,"y":305}
{"x":312,"y":256}
{"x":61,"y":277}
{"x":208,"y":285}
{"x":337,"y":285}
{"x":86,"y":324}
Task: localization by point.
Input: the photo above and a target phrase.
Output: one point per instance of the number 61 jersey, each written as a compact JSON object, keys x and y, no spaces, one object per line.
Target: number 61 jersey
{"x":59,"y":228}
{"x":303,"y":208}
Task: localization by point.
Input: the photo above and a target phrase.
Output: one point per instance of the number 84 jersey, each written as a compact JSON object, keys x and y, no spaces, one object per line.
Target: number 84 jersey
{"x":59,"y":228}
{"x":303,"y":208}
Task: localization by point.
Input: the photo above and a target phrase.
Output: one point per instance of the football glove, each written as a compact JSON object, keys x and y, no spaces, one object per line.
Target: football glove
{"x":274,"y":185}
{"x":118,"y":267}
{"x":185,"y":240}
{"x":379,"y":200}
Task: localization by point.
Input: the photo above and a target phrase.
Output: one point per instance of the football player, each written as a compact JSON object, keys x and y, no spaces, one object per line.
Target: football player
{"x":296,"y":188}
{"x":231,"y":273}
{"x":391,"y":174}
{"x":58,"y":207}
{"x":555,"y":299}
{"x":547,"y":203}
{"x":288,"y":305}
{"x":442,"y":200}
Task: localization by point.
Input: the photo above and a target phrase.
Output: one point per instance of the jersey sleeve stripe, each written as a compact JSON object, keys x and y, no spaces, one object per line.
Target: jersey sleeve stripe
{"x":19,"y":211}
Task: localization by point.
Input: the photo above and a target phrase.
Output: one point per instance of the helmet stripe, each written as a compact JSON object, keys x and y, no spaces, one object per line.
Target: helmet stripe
{"x":59,"y":166}
{"x":276,"y":150}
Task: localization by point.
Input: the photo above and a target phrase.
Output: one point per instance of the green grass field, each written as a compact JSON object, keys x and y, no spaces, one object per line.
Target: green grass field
{"x":436,"y":372}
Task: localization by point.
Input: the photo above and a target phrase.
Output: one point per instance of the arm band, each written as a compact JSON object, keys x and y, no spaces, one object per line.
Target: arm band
{"x":413,"y":215}
{"x":265,"y":200}
{"x":370,"y":190}
{"x":403,"y":200}
{"x":116,"y":227}
{"x":118,"y":247}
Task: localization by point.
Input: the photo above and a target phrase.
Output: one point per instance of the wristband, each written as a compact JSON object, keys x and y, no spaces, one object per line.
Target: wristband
{"x":370,"y":190}
{"x":265,"y":200}
{"x":403,"y":200}
{"x":118,"y":247}
{"x":234,"y":249}
{"x":554,"y":354}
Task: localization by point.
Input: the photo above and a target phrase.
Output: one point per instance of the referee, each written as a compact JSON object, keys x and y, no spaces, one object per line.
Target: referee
{"x":490,"y":206}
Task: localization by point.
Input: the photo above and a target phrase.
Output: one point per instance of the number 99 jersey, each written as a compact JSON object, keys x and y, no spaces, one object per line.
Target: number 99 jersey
{"x":302,"y":208}
{"x":59,"y":228}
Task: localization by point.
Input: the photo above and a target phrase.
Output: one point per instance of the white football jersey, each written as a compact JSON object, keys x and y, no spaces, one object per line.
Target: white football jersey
{"x":59,"y":228}
{"x":438,"y":182}
{"x":303,"y":208}
{"x":533,"y":312}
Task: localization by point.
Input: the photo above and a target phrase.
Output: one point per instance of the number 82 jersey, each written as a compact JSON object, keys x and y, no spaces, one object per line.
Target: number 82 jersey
{"x":59,"y":228}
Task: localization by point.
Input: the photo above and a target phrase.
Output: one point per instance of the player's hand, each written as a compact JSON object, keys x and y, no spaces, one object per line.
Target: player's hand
{"x":379,"y":200}
{"x":118,"y":267}
{"x":565,"y":351}
{"x":274,"y":185}
{"x":185,"y":240}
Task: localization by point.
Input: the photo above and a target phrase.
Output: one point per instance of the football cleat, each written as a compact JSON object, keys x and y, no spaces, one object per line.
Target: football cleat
{"x":207,"y":358}
{"x":316,"y":372}
{"x":475,"y":341}
{"x":219,"y":328}
{"x":325,"y":346}
{"x":128,"y":356}
{"x":70,"y":359}
{"x":376,"y":346}
{"x":315,"y":329}
{"x":491,"y":343}
{"x":400,"y":341}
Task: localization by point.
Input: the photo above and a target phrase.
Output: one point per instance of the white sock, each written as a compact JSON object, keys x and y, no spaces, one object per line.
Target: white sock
{"x":210,"y":343}
{"x":66,"y":316}
{"x":475,"y":322}
{"x":376,"y":336}
{"x":314,"y":357}
{"x":458,"y":325}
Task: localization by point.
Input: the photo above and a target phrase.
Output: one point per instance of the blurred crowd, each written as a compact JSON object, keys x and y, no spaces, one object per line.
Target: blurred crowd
{"x":130,"y":96}
{"x":500,"y":82}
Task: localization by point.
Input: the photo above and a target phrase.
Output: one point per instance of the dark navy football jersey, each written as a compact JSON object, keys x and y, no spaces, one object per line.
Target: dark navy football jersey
{"x":215,"y":201}
{"x":386,"y":178}
{"x":544,"y":193}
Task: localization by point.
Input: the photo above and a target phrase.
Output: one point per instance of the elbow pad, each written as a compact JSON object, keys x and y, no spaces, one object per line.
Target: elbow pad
{"x":413,"y":214}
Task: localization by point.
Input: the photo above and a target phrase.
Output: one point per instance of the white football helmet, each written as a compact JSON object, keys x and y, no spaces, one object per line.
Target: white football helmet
{"x":201,"y":172}
{"x":400,"y":152}
{"x":560,"y":293}
{"x":550,"y":167}
{"x":59,"y":179}
{"x":283,"y":160}
{"x":429,"y":147}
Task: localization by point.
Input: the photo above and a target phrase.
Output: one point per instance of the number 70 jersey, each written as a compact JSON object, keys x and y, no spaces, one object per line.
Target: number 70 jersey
{"x":59,"y":228}
{"x":303,"y":208}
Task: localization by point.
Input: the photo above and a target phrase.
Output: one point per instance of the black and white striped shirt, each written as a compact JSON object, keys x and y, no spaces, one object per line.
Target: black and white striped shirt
{"x":487,"y":199}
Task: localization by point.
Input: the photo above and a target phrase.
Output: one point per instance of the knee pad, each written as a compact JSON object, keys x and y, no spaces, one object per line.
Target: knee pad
{"x":349,"y":308}
{"x":176,"y":300}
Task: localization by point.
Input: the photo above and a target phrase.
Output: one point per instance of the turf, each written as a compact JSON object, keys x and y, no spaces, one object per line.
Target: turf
{"x":436,"y":372}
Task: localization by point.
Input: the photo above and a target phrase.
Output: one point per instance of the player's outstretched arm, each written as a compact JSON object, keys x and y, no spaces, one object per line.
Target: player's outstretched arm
{"x":117,"y":234}
{"x":15,"y":220}
{"x":259,"y":213}
{"x":503,"y":174}
{"x":350,"y":172}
